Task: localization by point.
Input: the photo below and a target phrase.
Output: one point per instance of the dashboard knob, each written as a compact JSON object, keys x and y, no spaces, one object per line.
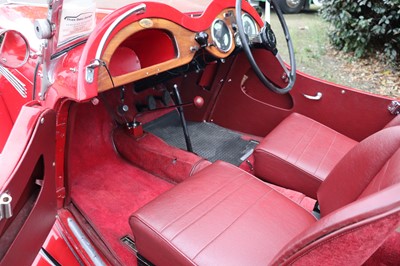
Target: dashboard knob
{"x":202,"y":39}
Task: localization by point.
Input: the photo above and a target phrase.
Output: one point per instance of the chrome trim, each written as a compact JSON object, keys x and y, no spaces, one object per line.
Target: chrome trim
{"x":46,"y":256}
{"x":246,"y":15}
{"x":27,"y":53}
{"x":293,"y":3}
{"x":85,"y":243}
{"x":230,"y":36}
{"x":247,"y":155}
{"x":18,"y":85}
{"x":5,"y":206}
{"x":394,"y":107}
{"x":139,"y":9}
{"x":316,"y":97}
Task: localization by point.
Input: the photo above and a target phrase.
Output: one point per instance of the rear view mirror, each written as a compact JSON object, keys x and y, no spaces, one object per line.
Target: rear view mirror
{"x":14,"y":49}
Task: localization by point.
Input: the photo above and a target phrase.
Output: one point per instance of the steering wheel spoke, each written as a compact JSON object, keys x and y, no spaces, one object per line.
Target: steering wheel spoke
{"x":280,"y":60}
{"x":266,"y":39}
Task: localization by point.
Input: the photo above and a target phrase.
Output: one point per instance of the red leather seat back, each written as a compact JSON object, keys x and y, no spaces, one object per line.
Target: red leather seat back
{"x":360,"y":206}
{"x":370,"y":166}
{"x":347,"y":236}
{"x":300,"y":153}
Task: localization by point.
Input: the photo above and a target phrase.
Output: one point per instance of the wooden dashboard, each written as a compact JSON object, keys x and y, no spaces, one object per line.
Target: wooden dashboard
{"x":153,"y":45}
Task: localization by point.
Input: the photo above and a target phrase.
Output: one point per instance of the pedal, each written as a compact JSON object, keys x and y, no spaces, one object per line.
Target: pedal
{"x":136,"y":129}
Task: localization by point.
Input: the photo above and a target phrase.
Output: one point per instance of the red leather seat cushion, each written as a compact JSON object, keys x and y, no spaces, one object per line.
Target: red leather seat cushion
{"x":220,"y":216}
{"x":299,"y":154}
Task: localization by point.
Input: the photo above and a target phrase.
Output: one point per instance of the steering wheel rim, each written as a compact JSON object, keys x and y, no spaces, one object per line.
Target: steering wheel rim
{"x":291,"y":75}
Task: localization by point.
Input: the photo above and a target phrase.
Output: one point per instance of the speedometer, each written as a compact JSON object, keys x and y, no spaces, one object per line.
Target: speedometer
{"x":221,"y":35}
{"x":249,"y":25}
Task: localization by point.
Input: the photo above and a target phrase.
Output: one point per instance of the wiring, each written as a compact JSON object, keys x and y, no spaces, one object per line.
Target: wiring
{"x":99,"y":62}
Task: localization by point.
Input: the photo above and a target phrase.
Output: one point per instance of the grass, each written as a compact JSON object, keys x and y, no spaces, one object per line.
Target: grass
{"x":310,"y":39}
{"x":315,"y":56}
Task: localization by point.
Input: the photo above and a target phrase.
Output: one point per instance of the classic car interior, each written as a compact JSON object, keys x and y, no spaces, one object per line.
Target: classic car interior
{"x":190,"y":129}
{"x":200,"y":146}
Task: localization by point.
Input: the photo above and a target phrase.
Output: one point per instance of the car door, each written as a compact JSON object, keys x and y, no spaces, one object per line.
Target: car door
{"x":244,"y":104}
{"x":27,"y":185}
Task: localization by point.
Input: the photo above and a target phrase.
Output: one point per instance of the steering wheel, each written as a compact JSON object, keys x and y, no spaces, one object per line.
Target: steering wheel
{"x":267,"y":40}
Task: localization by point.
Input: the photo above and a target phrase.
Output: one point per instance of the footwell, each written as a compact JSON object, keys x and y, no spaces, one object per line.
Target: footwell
{"x":209,"y":140}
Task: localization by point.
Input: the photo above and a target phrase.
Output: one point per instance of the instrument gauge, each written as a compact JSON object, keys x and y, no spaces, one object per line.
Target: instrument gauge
{"x":221,"y":35}
{"x":249,"y":25}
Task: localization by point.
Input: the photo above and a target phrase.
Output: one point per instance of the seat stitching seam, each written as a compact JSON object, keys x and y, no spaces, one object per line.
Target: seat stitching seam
{"x":208,"y":210}
{"x":309,"y":143}
{"x":384,"y":174}
{"x":386,"y":166}
{"x":298,"y":143}
{"x":203,"y":200}
{"x":326,"y":154}
{"x":234,"y":221}
{"x":297,"y":167}
{"x":273,"y":188}
{"x":157,"y":233}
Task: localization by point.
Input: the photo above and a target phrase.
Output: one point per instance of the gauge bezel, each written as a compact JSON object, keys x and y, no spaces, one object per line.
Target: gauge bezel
{"x":255,"y":25}
{"x":214,"y":38}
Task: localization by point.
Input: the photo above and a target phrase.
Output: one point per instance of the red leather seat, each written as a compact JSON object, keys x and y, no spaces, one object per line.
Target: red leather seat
{"x":225,"y":216}
{"x":300,"y":153}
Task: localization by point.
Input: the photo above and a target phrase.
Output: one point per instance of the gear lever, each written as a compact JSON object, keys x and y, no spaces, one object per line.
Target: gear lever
{"x":183,"y":120}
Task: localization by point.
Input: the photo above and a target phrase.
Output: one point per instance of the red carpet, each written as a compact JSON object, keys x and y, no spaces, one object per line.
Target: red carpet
{"x":104,"y":187}
{"x":108,"y":194}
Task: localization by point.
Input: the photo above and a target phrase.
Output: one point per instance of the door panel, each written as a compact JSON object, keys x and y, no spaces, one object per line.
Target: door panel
{"x":27,"y":176}
{"x":244,"y":104}
{"x":352,"y":112}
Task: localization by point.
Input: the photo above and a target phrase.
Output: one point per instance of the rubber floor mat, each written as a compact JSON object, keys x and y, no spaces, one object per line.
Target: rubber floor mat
{"x":209,"y":140}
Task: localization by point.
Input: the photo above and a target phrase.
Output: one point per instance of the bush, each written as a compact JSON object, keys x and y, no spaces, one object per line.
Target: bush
{"x":365,"y":27}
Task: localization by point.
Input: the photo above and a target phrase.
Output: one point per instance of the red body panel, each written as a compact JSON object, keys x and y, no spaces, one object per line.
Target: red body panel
{"x":58,"y":248}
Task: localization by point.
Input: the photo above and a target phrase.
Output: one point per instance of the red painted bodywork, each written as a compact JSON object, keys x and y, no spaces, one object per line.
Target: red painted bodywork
{"x":56,"y":245}
{"x":230,"y":101}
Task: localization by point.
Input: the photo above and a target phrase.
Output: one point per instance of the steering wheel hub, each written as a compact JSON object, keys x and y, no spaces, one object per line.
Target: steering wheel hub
{"x":268,"y":38}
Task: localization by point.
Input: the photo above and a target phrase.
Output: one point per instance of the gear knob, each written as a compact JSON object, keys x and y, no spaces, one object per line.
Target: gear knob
{"x":198,"y":101}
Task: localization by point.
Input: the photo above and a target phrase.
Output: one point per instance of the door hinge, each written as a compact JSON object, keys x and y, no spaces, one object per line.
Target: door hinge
{"x":5,"y":206}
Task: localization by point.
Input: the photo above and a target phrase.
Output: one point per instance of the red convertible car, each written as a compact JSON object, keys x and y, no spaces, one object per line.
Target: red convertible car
{"x":172,"y":133}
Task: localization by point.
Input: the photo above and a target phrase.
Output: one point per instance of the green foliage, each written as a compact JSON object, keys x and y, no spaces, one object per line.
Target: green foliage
{"x":365,"y":27}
